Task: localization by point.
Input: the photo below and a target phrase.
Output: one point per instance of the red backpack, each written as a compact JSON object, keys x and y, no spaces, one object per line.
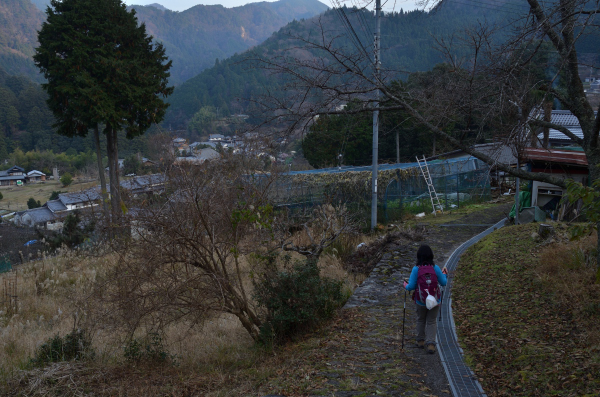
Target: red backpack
{"x":426,"y":280}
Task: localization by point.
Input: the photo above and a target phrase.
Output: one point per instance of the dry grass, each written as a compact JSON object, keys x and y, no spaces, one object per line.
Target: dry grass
{"x":49,"y":293}
{"x":569,"y":269}
{"x":54,"y":297}
{"x":15,"y":197}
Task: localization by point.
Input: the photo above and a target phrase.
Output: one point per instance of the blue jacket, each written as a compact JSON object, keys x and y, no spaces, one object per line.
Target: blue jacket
{"x":412,"y":282}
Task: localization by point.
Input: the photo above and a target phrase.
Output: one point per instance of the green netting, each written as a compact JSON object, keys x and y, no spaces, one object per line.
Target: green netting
{"x":404,"y":189}
{"x":5,"y":264}
{"x":456,"y":184}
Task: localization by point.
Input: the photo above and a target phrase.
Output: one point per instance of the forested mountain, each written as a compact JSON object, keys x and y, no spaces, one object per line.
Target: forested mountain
{"x":408,"y":44}
{"x":19,"y":21}
{"x":26,"y":122}
{"x":194,"y":38}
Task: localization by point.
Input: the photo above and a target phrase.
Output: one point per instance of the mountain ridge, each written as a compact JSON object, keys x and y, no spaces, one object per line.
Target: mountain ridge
{"x":218,"y":32}
{"x":193,"y":38}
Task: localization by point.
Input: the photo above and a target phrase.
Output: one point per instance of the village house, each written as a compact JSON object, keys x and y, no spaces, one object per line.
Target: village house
{"x":53,"y":212}
{"x":181,"y":145}
{"x":35,"y":176}
{"x":145,"y":184}
{"x":15,"y":175}
{"x":38,"y":217}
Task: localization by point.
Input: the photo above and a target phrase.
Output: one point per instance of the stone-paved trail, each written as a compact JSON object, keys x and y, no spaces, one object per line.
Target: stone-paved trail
{"x":361,"y":355}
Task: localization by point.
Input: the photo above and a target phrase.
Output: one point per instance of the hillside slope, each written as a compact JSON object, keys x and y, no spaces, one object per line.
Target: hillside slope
{"x":196,"y":37}
{"x":408,"y":41}
{"x":19,"y":21}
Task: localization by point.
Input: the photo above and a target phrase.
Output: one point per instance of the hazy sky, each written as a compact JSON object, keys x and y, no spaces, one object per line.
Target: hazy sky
{"x":181,"y":5}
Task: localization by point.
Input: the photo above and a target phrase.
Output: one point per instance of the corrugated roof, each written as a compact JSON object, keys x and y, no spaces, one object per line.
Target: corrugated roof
{"x":381,"y":167}
{"x":556,"y":156}
{"x":30,"y":173}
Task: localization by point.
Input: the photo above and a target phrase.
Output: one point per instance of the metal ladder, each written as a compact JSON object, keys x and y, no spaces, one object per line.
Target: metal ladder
{"x":435,"y":201}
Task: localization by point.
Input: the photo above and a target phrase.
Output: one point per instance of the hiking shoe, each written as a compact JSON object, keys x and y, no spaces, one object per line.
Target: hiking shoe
{"x":421,"y":344}
{"x":431,"y":348}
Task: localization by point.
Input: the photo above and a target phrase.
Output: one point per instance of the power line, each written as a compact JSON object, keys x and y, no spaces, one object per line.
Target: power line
{"x":350,"y":29}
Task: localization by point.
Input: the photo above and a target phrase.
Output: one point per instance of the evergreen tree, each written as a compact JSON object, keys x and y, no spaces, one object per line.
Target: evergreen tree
{"x":102,"y":69}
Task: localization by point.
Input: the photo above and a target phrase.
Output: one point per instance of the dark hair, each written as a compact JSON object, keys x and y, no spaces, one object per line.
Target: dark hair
{"x":424,"y":255}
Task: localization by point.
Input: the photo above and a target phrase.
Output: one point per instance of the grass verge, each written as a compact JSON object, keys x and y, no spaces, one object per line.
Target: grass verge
{"x":528,"y":315}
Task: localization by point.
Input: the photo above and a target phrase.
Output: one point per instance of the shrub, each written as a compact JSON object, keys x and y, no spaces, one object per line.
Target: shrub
{"x":73,"y":234}
{"x":54,"y":194}
{"x":66,"y":179}
{"x":32,"y":203}
{"x":76,"y":345}
{"x":295,"y":298}
{"x":149,"y":350}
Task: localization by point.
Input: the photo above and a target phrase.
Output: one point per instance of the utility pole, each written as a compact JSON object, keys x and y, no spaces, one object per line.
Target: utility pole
{"x":376,"y":117}
{"x":397,"y":147}
{"x":518,"y":180}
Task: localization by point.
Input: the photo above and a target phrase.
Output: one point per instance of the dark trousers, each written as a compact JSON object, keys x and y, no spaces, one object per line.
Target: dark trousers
{"x":427,"y":323}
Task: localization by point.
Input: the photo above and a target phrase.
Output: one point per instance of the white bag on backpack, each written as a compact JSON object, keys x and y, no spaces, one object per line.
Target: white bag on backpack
{"x":430,"y":302}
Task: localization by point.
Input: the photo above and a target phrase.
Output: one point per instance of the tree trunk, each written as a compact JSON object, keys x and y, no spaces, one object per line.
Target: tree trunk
{"x":248,"y":325}
{"x":102,"y":175}
{"x":397,"y":146}
{"x":598,"y":254}
{"x":113,"y":171}
{"x":548,"y":118}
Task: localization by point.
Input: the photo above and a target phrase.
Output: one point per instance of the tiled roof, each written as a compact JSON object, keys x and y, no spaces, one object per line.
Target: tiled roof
{"x":556,"y":135}
{"x":79,"y":197}
{"x":564,"y":117}
{"x":142,"y":182}
{"x":56,"y":206}
{"x":6,"y":177}
{"x":208,"y":154}
{"x":40,"y":215}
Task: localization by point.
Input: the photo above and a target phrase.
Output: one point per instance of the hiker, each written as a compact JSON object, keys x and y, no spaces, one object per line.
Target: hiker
{"x":426,"y":279}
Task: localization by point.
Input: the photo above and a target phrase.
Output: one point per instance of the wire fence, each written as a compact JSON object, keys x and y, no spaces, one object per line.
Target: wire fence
{"x":457,"y":182}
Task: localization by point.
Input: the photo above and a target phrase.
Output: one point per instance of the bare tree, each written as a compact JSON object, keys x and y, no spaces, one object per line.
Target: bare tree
{"x":489,"y":94}
{"x":189,"y":257}
{"x":184,"y":261}
{"x":319,"y":230}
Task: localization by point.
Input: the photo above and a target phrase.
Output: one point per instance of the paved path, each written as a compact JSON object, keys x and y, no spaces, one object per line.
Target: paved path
{"x":361,"y":354}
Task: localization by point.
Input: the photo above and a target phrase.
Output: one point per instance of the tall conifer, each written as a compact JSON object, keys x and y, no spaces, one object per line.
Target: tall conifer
{"x":102,"y":69}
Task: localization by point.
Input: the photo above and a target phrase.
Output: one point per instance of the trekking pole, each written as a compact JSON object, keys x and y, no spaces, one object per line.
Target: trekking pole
{"x":441,"y":301}
{"x":403,"y":318}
